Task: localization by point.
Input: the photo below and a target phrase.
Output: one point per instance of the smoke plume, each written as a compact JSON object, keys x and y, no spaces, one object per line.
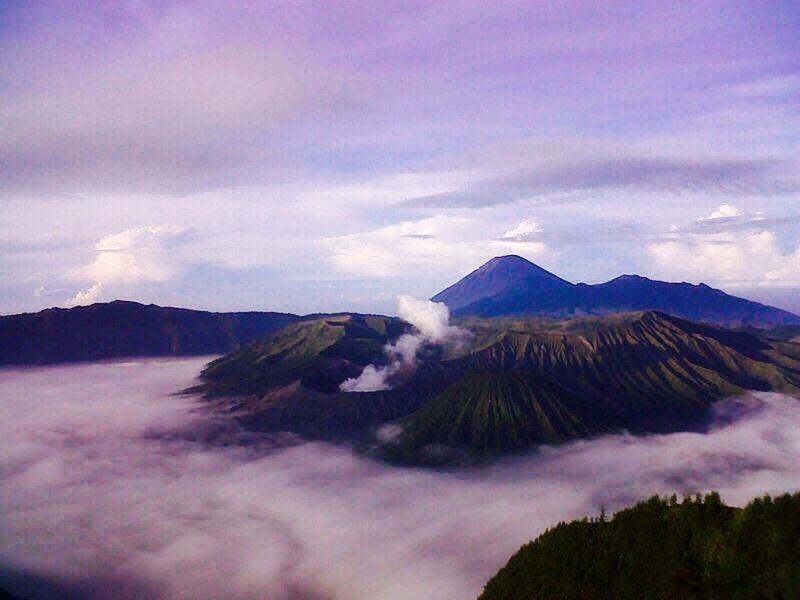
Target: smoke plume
{"x":430,"y":321}
{"x":112,"y":488}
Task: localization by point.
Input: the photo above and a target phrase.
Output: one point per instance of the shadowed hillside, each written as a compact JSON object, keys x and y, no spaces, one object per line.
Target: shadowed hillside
{"x":120,"y":328}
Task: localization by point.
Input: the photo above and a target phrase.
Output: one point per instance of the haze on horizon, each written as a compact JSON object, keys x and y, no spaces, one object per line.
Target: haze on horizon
{"x":304,"y":156}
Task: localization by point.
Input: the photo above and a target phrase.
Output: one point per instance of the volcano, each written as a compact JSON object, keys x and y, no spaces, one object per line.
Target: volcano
{"x":512,"y":285}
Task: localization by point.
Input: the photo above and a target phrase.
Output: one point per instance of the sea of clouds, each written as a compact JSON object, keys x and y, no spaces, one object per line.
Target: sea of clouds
{"x":112,"y":488}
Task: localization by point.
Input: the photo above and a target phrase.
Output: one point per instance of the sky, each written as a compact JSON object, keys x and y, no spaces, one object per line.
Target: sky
{"x":320,"y":156}
{"x":115,"y":487}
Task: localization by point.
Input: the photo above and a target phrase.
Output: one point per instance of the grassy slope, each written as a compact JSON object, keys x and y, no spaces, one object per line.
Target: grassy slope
{"x":523,"y":381}
{"x":321,"y":352}
{"x":542,"y":382}
{"x":290,"y":380}
{"x":663,"y":549}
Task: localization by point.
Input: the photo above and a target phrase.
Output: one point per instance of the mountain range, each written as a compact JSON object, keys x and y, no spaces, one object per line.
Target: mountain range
{"x":540,"y":361}
{"x":516,"y":384}
{"x":511,"y":285}
{"x":506,"y":285}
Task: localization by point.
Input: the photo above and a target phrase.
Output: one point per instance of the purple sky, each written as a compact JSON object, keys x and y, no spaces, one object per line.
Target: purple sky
{"x":313,"y":156}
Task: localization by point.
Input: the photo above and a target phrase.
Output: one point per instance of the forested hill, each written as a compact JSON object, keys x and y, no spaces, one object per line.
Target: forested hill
{"x":662,"y":549}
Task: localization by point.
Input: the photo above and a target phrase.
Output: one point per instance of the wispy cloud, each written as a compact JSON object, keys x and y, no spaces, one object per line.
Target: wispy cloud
{"x":548,"y":175}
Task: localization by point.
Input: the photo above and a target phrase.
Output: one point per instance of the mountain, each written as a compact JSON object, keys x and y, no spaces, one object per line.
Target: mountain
{"x":318,"y":353}
{"x":289,"y":381}
{"x":503,"y":275}
{"x":538,"y":382}
{"x":519,"y":383}
{"x":514,"y":290}
{"x":121,"y":328}
{"x":662,"y":549}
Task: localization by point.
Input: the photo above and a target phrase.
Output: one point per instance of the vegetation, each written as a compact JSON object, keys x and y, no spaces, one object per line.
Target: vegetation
{"x":697,"y":548}
{"x":519,"y":383}
{"x":538,"y":381}
{"x":320,"y":352}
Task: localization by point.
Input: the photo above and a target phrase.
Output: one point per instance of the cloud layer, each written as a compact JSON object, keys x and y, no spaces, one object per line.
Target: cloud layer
{"x":111,"y":487}
{"x":728,"y":247}
{"x":132,"y":256}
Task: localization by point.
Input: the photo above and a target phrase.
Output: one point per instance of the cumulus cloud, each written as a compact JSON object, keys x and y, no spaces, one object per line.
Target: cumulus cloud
{"x":430,"y":321}
{"x":142,"y":254}
{"x":522,"y":231}
{"x":442,"y":243}
{"x":727,"y":247}
{"x":114,"y":488}
{"x":88,"y":296}
{"x":725,"y":211}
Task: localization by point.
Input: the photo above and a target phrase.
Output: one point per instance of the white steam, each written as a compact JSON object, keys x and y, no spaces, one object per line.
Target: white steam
{"x":111,"y":488}
{"x":431,"y":324}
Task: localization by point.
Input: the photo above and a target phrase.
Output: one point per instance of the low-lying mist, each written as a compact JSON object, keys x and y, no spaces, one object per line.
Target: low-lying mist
{"x":112,"y":488}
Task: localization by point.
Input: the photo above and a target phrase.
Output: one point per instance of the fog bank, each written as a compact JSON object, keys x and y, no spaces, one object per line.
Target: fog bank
{"x":109,"y":487}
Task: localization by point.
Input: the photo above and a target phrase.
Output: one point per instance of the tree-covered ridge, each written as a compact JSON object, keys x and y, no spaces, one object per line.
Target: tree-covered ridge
{"x":663,"y":549}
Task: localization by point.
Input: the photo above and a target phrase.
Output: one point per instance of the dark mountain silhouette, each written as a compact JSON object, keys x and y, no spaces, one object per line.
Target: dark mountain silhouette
{"x":503,"y":275}
{"x":519,"y":287}
{"x":120,"y":328}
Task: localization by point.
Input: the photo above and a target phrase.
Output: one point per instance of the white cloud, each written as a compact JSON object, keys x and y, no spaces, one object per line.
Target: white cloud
{"x":115,"y":487}
{"x":135,"y":255}
{"x":724,"y":211}
{"x":142,"y":254}
{"x":88,"y":296}
{"x":522,"y":231}
{"x":727,"y":254}
{"x":441,"y":243}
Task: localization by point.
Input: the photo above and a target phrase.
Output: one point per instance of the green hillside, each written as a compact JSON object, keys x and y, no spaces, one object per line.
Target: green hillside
{"x":500,"y":411}
{"x":517,"y":383}
{"x":290,"y":380}
{"x":320,"y":353}
{"x":537,"y":382}
{"x":662,"y":549}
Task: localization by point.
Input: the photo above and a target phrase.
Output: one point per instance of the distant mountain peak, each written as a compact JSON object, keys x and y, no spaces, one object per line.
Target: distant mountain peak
{"x":512,"y":285}
{"x":507,"y":259}
{"x":630,"y":277}
{"x":501,"y":274}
